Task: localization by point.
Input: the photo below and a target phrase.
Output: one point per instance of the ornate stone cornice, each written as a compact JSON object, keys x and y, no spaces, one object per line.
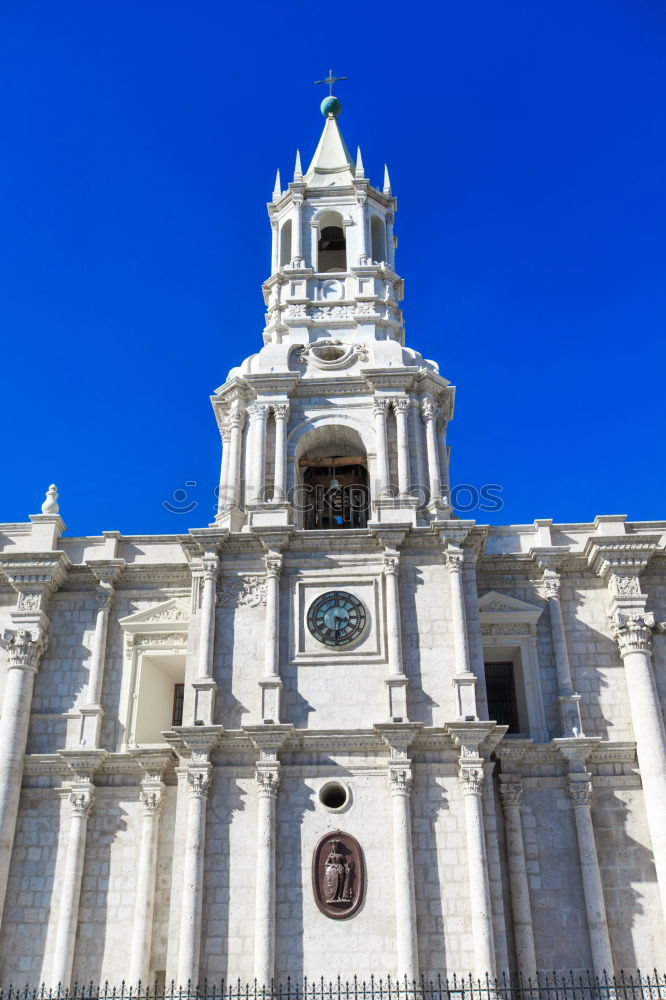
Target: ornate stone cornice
{"x":34,"y":576}
{"x":627,"y":555}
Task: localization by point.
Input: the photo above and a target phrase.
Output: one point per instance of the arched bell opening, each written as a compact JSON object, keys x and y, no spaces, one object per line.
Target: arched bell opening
{"x":331,"y":243}
{"x":334,"y":491}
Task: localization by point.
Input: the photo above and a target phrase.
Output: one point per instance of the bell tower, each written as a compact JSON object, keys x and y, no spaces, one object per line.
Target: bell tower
{"x":334,"y":423}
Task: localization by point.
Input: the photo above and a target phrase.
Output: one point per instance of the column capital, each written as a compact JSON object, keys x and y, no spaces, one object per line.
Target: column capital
{"x":470,"y":773}
{"x":258,"y":411}
{"x":198,"y":777}
{"x":280,"y":410}
{"x":454,"y":558}
{"x":235,"y":419}
{"x":380,"y":405}
{"x":268,"y":780}
{"x":25,"y":647}
{"x":273,"y":563}
{"x":580,"y":789}
{"x":400,"y":404}
{"x":391,"y":563}
{"x":400,"y":778}
{"x":511,"y":791}
{"x":429,"y":410}
{"x":551,"y":585}
{"x":633,"y":633}
{"x":81,"y":800}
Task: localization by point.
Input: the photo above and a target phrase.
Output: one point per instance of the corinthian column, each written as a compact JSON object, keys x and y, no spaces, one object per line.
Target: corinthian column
{"x":471,"y":778}
{"x":81,"y":799}
{"x":380,"y":406}
{"x":268,"y":780}
{"x":281,"y":414}
{"x":403,"y":868}
{"x":236,"y":422}
{"x":198,"y":783}
{"x":258,"y":416}
{"x":400,"y":407}
{"x":152,"y":795}
{"x":569,"y":701}
{"x":25,"y":648}
{"x":396,"y":681}
{"x":511,"y":791}
{"x":633,"y":633}
{"x":222,"y":496}
{"x":429,"y":411}
{"x":580,"y":791}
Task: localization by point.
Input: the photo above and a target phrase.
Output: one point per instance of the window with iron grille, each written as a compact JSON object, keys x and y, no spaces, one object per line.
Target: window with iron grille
{"x":178,"y":699}
{"x":501,"y":691}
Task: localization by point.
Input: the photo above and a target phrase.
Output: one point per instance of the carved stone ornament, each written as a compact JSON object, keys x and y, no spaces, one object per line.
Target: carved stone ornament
{"x":248,"y":592}
{"x":172,"y":614}
{"x":633,"y":633}
{"x":25,"y":647}
{"x":28,"y":602}
{"x":624,"y":586}
{"x":338,"y":875}
{"x":506,"y":628}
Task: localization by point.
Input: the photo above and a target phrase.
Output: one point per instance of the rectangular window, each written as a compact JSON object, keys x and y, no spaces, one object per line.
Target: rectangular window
{"x":501,"y":690}
{"x":178,"y":699}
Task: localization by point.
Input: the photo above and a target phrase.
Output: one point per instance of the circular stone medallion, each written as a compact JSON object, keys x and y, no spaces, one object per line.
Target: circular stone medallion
{"x":336,"y":618}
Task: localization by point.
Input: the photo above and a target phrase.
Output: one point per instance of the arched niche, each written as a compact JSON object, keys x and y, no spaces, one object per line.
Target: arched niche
{"x":378,"y":239}
{"x":285,"y":243}
{"x":331,"y":478}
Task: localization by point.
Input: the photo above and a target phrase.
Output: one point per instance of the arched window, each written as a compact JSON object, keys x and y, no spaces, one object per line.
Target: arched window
{"x":331,"y":245}
{"x":378,"y":234}
{"x":285,"y":243}
{"x":333,"y":474}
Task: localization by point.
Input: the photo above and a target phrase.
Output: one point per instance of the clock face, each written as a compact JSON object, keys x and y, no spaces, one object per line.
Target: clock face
{"x":336,"y":618}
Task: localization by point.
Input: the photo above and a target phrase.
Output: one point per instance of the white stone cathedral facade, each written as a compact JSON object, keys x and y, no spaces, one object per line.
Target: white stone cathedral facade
{"x":339,"y":731}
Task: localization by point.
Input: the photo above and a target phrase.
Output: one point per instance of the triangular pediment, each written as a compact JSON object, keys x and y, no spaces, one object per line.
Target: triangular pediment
{"x":502,"y":606}
{"x":174,"y":614}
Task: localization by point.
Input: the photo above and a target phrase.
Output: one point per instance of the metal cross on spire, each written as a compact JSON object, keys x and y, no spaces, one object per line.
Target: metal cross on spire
{"x":330,"y":80}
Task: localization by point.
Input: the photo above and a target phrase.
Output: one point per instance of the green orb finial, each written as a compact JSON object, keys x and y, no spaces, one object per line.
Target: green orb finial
{"x":331,"y":106}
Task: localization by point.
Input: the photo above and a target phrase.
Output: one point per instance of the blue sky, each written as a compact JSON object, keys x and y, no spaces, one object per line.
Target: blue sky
{"x":526,"y":144}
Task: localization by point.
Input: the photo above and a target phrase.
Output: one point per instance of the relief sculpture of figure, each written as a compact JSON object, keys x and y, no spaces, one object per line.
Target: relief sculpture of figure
{"x":338,"y":876}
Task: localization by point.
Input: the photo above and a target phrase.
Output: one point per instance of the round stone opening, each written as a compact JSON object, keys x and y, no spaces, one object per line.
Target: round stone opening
{"x":333,"y":795}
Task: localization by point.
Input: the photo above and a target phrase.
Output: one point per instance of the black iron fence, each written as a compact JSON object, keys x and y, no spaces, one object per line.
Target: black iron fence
{"x":625,"y":986}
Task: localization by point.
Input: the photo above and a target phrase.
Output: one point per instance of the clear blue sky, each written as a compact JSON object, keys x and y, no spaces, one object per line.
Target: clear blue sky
{"x":526,"y":143}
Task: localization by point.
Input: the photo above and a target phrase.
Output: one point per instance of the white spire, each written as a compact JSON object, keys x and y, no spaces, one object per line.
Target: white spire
{"x":298,"y":170}
{"x":50,"y":505}
{"x":277,"y":190}
{"x":332,"y":165}
{"x":387,"y":181}
{"x":360,"y":172}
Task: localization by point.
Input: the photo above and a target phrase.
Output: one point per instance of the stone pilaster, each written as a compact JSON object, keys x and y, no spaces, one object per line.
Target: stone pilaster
{"x":568,"y":699}
{"x":398,"y":738}
{"x":579,"y":782}
{"x":106,"y":572}
{"x":396,"y":680}
{"x":464,"y":680}
{"x":271,"y":683}
{"x":430,"y":413}
{"x":511,"y":792}
{"x":204,"y":683}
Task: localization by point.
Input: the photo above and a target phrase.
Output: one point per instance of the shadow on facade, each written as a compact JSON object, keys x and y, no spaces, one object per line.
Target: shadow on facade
{"x":420,"y":705}
{"x":216,"y":962}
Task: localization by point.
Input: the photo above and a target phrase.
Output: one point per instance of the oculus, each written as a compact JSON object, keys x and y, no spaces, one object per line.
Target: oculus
{"x":338,"y":875}
{"x":336,"y":618}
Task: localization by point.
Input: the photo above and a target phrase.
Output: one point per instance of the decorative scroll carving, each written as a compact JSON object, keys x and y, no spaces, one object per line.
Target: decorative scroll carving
{"x":151,"y":800}
{"x":248,"y":592}
{"x":428,"y":410}
{"x":496,"y":606}
{"x":268,"y":779}
{"x":198,"y":783}
{"x":455,"y":560}
{"x":471,"y":778}
{"x":338,"y":875}
{"x":332,"y":312}
{"x":392,"y":565}
{"x":82,"y":802}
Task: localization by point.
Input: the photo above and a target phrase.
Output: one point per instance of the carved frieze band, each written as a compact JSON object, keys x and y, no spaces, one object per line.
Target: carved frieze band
{"x":247,"y":592}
